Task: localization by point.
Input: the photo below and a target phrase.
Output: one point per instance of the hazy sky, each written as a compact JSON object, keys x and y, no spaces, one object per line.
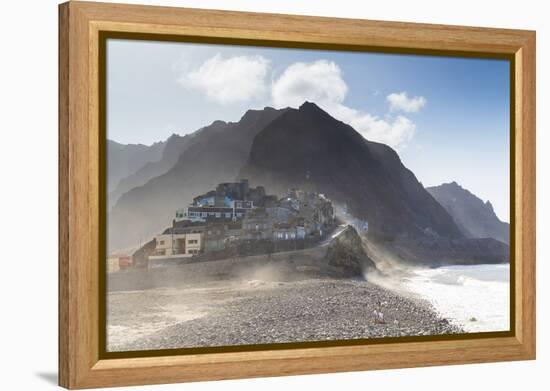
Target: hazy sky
{"x":448,"y":118}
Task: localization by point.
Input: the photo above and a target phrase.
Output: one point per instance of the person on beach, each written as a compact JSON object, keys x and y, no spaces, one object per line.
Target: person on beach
{"x":379,"y":315}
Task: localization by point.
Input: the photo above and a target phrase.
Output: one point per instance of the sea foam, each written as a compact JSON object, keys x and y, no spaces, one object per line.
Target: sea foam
{"x":476,"y":298}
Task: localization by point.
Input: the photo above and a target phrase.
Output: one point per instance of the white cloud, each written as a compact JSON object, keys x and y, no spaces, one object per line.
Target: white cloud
{"x":401,"y":102}
{"x":321,"y":82}
{"x":242,"y":78}
{"x":229,"y":80}
{"x":393,"y":131}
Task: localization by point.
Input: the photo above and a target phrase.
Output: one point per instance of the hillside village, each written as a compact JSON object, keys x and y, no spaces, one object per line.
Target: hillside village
{"x":236,"y":218}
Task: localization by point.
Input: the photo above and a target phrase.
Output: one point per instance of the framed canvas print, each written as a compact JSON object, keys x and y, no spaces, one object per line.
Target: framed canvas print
{"x":248,"y":195}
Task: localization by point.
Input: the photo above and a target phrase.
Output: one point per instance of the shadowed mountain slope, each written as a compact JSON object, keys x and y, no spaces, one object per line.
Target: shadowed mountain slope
{"x":309,"y":148}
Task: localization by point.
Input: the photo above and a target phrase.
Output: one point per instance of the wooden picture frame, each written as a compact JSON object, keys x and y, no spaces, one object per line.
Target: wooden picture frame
{"x":81,"y":364}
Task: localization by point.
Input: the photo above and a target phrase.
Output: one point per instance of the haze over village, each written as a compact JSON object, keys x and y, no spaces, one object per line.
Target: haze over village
{"x":290,"y":215}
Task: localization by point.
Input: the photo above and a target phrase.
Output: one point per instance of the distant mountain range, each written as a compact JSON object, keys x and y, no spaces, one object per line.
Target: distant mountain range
{"x":304,"y":148}
{"x":171,"y":150}
{"x":475,"y":218}
{"x":123,"y":160}
{"x":211,"y":155}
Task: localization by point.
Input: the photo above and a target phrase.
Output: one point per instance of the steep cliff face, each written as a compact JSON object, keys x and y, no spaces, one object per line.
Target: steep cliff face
{"x":475,"y":218}
{"x":307,"y":148}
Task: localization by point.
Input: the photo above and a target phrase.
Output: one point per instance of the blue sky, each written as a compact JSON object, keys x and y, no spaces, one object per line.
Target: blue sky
{"x":448,"y":118}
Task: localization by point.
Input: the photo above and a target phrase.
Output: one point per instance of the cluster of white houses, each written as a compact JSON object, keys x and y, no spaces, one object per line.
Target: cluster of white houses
{"x":235,"y":211}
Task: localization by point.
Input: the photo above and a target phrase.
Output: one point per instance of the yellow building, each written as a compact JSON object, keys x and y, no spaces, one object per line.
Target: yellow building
{"x":178,"y":245}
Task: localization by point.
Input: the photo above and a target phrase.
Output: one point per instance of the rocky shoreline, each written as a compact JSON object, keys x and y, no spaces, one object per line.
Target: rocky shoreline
{"x":254,"y":311}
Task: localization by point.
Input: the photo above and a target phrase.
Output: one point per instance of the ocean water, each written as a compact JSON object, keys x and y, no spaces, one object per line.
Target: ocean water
{"x":477,"y":298}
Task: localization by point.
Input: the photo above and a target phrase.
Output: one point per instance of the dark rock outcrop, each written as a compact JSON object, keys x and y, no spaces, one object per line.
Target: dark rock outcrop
{"x":475,"y":218}
{"x":347,"y":254}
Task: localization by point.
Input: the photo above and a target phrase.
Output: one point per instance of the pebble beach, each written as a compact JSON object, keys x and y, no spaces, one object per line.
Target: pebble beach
{"x":213,"y":304}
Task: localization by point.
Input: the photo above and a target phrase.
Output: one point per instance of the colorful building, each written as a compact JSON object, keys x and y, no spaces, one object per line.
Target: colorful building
{"x":234,"y":211}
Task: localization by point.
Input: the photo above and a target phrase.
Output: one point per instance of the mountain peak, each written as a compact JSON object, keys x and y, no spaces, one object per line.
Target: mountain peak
{"x":173,"y":136}
{"x":453,"y":184}
{"x":254,"y":114}
{"x":219,"y":122}
{"x":309,"y":106}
